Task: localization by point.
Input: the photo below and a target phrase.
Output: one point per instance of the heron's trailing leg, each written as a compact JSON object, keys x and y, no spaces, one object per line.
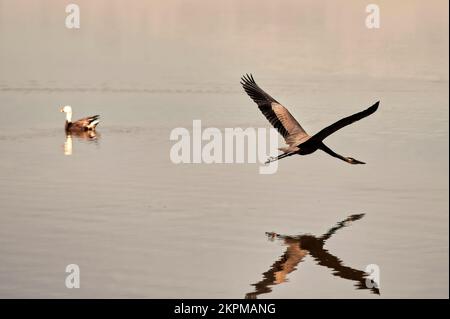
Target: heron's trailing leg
{"x":276,"y":158}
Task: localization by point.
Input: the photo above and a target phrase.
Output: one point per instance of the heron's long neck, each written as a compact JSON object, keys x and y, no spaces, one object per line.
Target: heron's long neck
{"x":69,"y":117}
{"x":327,"y":150}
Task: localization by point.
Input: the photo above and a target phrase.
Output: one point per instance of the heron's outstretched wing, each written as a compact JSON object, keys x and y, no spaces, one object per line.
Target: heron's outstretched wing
{"x":275,"y":113}
{"x":344,"y":122}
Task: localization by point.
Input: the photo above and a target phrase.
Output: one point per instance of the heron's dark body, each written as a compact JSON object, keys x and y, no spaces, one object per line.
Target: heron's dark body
{"x":307,"y":148}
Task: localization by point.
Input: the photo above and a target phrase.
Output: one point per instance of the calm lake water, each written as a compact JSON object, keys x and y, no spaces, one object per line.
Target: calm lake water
{"x":140,"y":226}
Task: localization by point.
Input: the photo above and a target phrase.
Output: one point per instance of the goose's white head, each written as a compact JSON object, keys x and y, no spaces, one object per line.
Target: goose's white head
{"x":68,"y":110}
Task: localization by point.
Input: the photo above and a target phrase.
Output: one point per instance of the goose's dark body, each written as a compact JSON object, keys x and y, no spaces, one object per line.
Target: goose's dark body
{"x":83,"y":125}
{"x":297,"y":140}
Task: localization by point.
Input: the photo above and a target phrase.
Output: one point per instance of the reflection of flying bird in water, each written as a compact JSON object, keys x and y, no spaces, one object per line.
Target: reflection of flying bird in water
{"x":298,"y":141}
{"x":89,"y":135}
{"x":300,"y":246}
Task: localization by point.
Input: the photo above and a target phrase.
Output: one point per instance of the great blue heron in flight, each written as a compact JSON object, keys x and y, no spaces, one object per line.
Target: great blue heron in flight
{"x":298,"y":247}
{"x":298,"y":141}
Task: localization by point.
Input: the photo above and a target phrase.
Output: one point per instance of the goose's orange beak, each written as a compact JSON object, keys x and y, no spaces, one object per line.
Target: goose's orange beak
{"x":61,"y":110}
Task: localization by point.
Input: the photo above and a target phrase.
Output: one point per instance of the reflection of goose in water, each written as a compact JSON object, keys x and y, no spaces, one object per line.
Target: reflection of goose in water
{"x":300,"y":246}
{"x":298,"y":141}
{"x":85,"y":124}
{"x":83,"y":135}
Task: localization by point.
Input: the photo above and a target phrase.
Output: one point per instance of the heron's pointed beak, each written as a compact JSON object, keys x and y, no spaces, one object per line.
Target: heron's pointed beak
{"x":353,"y":161}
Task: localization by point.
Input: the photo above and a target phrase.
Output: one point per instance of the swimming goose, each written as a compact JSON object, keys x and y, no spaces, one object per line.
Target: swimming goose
{"x":84,"y":124}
